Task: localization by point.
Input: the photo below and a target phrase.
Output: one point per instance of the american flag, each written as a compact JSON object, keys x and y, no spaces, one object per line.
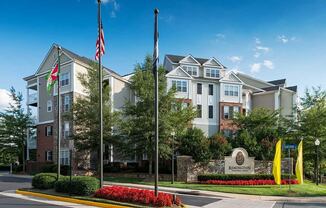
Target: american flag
{"x":100,"y":38}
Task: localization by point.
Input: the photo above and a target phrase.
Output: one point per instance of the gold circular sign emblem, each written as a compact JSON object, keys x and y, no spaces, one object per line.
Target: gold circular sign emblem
{"x":239,"y":159}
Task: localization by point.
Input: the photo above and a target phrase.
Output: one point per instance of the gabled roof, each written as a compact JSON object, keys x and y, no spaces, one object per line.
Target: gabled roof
{"x":271,"y":88}
{"x":84,"y":59}
{"x":278,"y":82}
{"x":292,"y":88}
{"x":231,"y":77}
{"x":177,"y":59}
{"x":178,"y":72}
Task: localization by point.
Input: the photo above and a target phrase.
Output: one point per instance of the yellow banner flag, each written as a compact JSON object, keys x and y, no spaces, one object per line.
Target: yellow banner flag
{"x":277,"y":163}
{"x":299,"y":165}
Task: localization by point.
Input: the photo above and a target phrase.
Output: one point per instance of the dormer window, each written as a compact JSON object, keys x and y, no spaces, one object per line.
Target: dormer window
{"x":212,"y":73}
{"x":192,"y":70}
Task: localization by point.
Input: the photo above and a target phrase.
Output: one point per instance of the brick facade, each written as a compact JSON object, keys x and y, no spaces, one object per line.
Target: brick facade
{"x":44,"y":143}
{"x":227,"y":124}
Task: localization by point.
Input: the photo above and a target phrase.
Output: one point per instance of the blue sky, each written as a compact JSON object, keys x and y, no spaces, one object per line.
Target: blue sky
{"x":269,"y":39}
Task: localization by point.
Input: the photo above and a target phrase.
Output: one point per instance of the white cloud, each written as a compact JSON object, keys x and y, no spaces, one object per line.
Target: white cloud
{"x":257,"y":41}
{"x":256,"y":55}
{"x":284,"y":39}
{"x":115,"y":5}
{"x":235,"y":59}
{"x":254,"y":68}
{"x":263,"y":48}
{"x":4,"y":99}
{"x":268,"y":64}
{"x":219,"y":37}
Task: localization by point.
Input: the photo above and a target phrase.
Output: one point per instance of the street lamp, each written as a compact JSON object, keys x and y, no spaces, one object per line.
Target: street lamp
{"x":172,"y":169}
{"x":317,"y":143}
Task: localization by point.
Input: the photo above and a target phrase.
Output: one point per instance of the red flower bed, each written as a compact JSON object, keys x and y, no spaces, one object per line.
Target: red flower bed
{"x":139,"y":196}
{"x":248,"y":182}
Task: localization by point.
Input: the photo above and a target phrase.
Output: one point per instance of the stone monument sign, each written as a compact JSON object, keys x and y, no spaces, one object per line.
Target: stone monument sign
{"x":239,"y":162}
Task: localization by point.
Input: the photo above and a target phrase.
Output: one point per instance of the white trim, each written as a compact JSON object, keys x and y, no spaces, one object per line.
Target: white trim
{"x":189,"y":56}
{"x":38,"y":100}
{"x":218,"y":63}
{"x":230,"y":81}
{"x":45,"y":122}
{"x":178,"y":77}
{"x":190,"y":65}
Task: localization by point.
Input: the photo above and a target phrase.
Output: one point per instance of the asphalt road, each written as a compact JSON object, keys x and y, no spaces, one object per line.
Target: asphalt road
{"x":8,"y":183}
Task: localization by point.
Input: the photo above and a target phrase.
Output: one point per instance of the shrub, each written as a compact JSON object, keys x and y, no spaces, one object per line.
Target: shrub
{"x":79,"y":185}
{"x":52,"y":168}
{"x":132,"y":195}
{"x":44,"y":180}
{"x":195,"y":144}
{"x":226,"y":177}
{"x":249,"y":182}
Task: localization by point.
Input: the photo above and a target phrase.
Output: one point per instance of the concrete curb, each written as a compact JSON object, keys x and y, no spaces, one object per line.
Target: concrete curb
{"x":71,"y":200}
{"x":223,"y":195}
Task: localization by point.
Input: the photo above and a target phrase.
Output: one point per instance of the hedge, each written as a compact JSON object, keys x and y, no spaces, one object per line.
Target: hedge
{"x":138,"y":196}
{"x":44,"y":180}
{"x":226,"y":177}
{"x":53,"y":168}
{"x":79,"y":185}
{"x":249,"y":182}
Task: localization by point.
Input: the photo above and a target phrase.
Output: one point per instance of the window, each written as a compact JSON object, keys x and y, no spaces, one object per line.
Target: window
{"x":227,"y":133}
{"x":192,"y":70}
{"x":226,"y":112}
{"x":64,"y":79}
{"x":64,"y":157}
{"x":231,"y":90}
{"x":210,"y":111}
{"x":199,"y":88}
{"x":199,"y":111}
{"x":180,"y":85}
{"x":48,"y":131}
{"x":48,"y":155}
{"x":210,"y":89}
{"x":49,"y":106}
{"x":66,"y":131}
{"x":229,"y":111}
{"x":66,"y":104}
{"x":213,"y":73}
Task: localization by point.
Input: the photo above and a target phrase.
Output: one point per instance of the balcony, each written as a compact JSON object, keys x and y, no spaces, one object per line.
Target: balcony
{"x":32,"y":99}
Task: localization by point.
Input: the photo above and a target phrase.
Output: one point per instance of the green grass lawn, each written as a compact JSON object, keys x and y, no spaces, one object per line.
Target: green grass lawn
{"x":307,"y":189}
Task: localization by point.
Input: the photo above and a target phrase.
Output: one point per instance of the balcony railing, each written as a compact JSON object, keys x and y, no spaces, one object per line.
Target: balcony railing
{"x":32,"y":99}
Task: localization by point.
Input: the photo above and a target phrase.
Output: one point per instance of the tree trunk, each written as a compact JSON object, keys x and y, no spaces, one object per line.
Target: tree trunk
{"x":150,"y":165}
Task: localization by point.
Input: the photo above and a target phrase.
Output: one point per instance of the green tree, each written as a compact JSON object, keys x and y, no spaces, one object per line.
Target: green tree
{"x":259,"y":131}
{"x":137,"y":119}
{"x":219,"y":146}
{"x":85,"y":114}
{"x":195,"y":144}
{"x":313,"y":126}
{"x":14,"y":123}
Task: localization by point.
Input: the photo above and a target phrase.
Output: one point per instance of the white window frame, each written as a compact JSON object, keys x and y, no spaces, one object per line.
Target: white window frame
{"x":201,"y":84}
{"x":66,"y":103}
{"x":179,"y":85}
{"x":191,"y":69}
{"x":212,"y":89}
{"x":66,"y":129}
{"x":64,"y":157}
{"x":65,"y":79}
{"x":231,"y":90}
{"x":48,"y":158}
{"x":48,"y":130}
{"x":226,"y":111}
{"x":49,"y":106}
{"x":209,"y":71}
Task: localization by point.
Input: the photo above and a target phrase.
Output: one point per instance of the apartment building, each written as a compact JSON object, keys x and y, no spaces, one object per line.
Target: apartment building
{"x":42,"y":139}
{"x":217,"y":93}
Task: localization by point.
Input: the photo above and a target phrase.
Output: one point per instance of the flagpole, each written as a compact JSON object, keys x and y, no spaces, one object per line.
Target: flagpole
{"x":59,"y":116}
{"x":100,"y":94}
{"x":155,"y":71}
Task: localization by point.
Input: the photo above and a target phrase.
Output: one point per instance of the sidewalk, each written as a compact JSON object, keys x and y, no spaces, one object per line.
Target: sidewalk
{"x":224,"y":195}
